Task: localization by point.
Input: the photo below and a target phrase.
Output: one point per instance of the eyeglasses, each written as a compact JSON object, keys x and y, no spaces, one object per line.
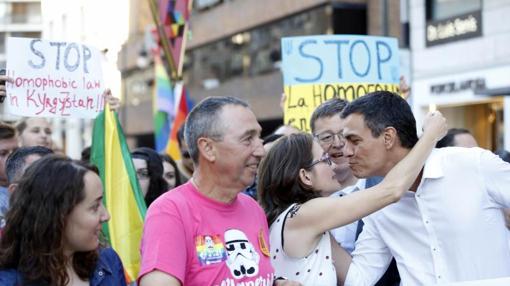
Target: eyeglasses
{"x":327,"y":137}
{"x":142,"y":174}
{"x":325,"y":158}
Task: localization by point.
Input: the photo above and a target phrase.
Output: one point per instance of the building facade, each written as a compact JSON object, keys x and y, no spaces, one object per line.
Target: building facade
{"x":234,"y":50}
{"x":460,"y":64}
{"x":18,"y":18}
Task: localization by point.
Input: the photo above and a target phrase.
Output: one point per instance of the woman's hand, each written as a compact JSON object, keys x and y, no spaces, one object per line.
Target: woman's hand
{"x":435,"y":125}
{"x":113,"y":101}
{"x":405,"y":89}
{"x":3,"y":90}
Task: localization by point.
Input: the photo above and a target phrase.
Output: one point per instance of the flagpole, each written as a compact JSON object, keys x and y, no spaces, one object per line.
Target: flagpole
{"x":164,"y":41}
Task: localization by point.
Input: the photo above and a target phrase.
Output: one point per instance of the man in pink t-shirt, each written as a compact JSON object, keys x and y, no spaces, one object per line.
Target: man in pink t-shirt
{"x":205,"y":232}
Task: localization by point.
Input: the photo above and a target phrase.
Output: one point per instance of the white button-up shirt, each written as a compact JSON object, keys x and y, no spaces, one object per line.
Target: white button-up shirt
{"x":346,"y":235}
{"x":452,"y":229}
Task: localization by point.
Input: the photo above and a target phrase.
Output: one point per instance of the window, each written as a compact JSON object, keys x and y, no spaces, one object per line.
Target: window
{"x":350,"y":19}
{"x":35,"y":35}
{"x":253,"y":52}
{"x":443,"y":9}
{"x":26,"y":13}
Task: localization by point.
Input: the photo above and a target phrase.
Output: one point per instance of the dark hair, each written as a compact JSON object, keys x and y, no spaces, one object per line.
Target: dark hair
{"x":504,"y":155}
{"x":204,"y":121}
{"x":271,"y":138}
{"x":180,"y":135}
{"x":85,"y":154}
{"x":7,"y":131}
{"x":383,"y":109}
{"x":157,"y":185}
{"x":171,"y":161}
{"x":329,"y":108}
{"x":278,"y":184}
{"x":15,"y":164}
{"x":449,"y":139}
{"x":33,"y":238}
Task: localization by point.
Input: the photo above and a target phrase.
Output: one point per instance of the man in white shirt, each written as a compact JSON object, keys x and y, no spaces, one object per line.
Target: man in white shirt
{"x":326,"y":127}
{"x":449,"y":226}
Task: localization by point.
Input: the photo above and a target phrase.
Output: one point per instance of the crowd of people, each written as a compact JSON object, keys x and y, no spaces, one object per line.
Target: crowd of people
{"x":361,"y":201}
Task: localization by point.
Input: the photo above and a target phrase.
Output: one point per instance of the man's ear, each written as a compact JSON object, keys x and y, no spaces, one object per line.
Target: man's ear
{"x":11,"y":188}
{"x":207,"y":149}
{"x":390,"y":137}
{"x":305,"y":178}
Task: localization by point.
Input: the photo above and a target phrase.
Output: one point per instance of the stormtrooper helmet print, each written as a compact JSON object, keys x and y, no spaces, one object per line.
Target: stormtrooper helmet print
{"x":243,"y":259}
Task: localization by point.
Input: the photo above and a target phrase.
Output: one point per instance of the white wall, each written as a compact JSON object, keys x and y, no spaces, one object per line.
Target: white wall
{"x":487,"y":56}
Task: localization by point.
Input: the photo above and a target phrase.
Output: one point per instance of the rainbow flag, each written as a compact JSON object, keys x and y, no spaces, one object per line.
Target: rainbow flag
{"x":174,"y":15}
{"x":183,"y":107}
{"x":122,"y":195}
{"x":163,"y":105}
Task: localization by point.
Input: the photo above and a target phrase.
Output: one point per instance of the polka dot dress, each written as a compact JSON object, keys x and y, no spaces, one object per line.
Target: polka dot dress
{"x":314,"y":269}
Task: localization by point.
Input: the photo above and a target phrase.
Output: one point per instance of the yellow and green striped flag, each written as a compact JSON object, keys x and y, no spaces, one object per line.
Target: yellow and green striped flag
{"x":122,"y":195}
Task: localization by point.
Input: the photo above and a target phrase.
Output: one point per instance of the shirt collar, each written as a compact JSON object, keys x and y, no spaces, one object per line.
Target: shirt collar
{"x":103,"y":265}
{"x":360,"y":185}
{"x":433,"y":165}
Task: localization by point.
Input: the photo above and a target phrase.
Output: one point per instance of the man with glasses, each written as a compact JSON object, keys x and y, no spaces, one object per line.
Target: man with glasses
{"x":326,"y":129}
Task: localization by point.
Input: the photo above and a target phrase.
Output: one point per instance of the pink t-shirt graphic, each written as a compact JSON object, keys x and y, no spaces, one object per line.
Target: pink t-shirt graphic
{"x":204,"y":242}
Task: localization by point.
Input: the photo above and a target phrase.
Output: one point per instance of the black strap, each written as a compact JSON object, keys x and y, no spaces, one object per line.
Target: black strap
{"x":359,"y":228}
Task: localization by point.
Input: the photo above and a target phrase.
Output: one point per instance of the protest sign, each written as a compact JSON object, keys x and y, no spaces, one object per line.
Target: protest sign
{"x":53,"y":79}
{"x":318,"y":68}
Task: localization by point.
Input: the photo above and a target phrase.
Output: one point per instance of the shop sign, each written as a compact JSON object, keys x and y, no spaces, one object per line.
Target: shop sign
{"x":453,"y":87}
{"x":456,"y":28}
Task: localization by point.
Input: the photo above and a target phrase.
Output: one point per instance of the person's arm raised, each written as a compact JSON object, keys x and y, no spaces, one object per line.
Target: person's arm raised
{"x":322,"y":214}
{"x":112,"y":101}
{"x":3,"y":91}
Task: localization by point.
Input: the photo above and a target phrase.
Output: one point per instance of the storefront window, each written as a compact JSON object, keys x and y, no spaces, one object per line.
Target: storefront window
{"x":443,"y":9}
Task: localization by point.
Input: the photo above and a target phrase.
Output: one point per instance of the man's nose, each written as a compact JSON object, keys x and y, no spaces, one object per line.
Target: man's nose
{"x":259,"y":148}
{"x":347,"y":150}
{"x":338,"y":141}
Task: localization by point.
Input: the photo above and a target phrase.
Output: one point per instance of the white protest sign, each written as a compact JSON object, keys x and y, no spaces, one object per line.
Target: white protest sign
{"x":53,"y":79}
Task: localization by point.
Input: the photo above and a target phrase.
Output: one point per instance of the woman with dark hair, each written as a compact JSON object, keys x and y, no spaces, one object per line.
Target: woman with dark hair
{"x":291,"y":178}
{"x":171,"y":173}
{"x":53,"y":229}
{"x":149,"y":170}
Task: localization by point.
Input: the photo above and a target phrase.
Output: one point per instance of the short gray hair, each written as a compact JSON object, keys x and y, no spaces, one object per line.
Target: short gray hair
{"x":204,"y":121}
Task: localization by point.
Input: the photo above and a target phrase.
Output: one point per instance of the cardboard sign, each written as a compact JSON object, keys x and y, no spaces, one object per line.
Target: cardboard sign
{"x":53,"y":79}
{"x":318,"y":68}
